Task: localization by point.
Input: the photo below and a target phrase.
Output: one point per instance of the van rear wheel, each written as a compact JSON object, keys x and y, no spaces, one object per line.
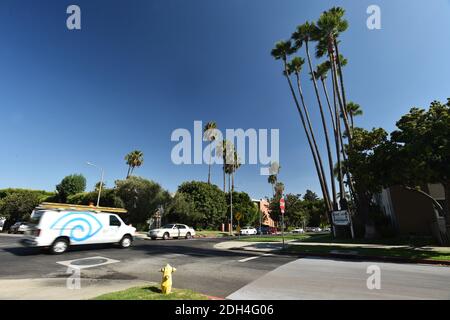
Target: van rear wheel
{"x":59,"y":246}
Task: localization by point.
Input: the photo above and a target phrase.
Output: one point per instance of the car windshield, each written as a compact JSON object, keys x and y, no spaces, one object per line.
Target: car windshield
{"x":168,"y":226}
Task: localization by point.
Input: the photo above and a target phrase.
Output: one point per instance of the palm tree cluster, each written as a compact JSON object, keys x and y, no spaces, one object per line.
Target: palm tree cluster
{"x":134,"y":159}
{"x":226,"y":150}
{"x":334,"y":109}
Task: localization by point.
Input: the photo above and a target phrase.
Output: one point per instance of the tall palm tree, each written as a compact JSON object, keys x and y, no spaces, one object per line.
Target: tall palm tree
{"x":209,"y":135}
{"x":295,"y":67}
{"x":272,"y":179}
{"x":302,"y":36}
{"x":353,"y":110}
{"x":224,"y":150}
{"x":134,"y":159}
{"x":329,"y":26}
{"x":231,"y":168}
{"x":280,"y":52}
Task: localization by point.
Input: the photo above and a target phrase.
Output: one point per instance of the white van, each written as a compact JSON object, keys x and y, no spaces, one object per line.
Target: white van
{"x":58,"y":226}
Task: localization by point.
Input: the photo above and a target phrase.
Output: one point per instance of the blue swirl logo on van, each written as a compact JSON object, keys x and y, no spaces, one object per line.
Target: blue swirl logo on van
{"x":79,"y":226}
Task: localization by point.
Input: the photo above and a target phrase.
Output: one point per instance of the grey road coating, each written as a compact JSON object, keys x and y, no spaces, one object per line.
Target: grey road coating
{"x":233,"y":274}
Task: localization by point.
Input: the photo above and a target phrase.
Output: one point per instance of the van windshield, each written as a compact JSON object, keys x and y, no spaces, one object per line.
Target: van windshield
{"x":36,"y":217}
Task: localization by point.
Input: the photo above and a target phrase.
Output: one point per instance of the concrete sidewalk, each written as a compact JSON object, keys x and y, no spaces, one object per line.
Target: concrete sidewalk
{"x":272,"y":246}
{"x":56,"y":288}
{"x":327,"y":279}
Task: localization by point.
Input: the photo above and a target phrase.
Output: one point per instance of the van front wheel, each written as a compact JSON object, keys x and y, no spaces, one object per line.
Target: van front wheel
{"x":125,"y":242}
{"x":59,"y":246}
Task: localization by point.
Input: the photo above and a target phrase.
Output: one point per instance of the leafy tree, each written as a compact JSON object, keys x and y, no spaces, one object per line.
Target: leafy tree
{"x":368,"y":165}
{"x":108,"y":198}
{"x":97,"y":186}
{"x":71,"y":185}
{"x":243,"y":204}
{"x":299,"y":211}
{"x":420,"y":149}
{"x":134,"y":159}
{"x":141,"y":198}
{"x":207,"y":203}
{"x":182,"y":210}
{"x":310,"y":196}
{"x":18,"y":205}
{"x":42,"y":194}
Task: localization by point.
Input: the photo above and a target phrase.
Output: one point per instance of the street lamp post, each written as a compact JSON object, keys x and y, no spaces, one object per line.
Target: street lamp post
{"x":101,"y":181}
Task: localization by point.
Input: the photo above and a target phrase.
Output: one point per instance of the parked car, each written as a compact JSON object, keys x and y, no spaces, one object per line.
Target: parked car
{"x":266,"y":230}
{"x":19,"y":227}
{"x":2,"y":223}
{"x":317,"y":229}
{"x":57,"y":229}
{"x":173,"y":230}
{"x":298,"y":230}
{"x":246,"y":231}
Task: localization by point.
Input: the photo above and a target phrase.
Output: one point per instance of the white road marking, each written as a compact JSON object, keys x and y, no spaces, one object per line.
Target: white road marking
{"x":253,"y":258}
{"x":69,"y":263}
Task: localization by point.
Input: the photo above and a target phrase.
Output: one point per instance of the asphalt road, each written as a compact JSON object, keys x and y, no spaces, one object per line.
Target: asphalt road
{"x":200,"y":266}
{"x":233,"y":274}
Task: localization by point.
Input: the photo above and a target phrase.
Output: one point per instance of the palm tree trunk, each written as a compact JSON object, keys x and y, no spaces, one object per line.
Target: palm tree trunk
{"x":329,"y":104}
{"x":324,"y":125}
{"x":232,"y":181}
{"x":311,"y":130}
{"x":336,"y":85}
{"x":338,"y":140}
{"x":224,"y":178}
{"x":209,"y":166}
{"x":319,"y":172}
{"x":128,"y":173}
{"x":341,"y":77}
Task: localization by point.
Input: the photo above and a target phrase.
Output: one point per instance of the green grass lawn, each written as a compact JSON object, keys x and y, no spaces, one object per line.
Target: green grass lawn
{"x":287,"y":236}
{"x":403,"y":252}
{"x":211,"y":234}
{"x":328,"y":238}
{"x":151,"y":293}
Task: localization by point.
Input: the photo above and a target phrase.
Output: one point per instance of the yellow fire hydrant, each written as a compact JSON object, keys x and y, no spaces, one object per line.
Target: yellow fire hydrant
{"x":166,"y":283}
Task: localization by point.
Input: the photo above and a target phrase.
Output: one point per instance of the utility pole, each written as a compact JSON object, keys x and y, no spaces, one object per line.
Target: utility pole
{"x":101,"y":181}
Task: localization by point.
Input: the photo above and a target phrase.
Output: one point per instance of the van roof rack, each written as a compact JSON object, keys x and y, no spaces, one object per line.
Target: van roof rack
{"x":77,"y":207}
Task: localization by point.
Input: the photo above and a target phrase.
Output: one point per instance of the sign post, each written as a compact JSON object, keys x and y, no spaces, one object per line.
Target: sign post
{"x":282,"y":207}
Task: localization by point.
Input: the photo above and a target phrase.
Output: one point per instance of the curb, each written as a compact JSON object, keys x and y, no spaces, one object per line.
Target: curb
{"x":355,"y":257}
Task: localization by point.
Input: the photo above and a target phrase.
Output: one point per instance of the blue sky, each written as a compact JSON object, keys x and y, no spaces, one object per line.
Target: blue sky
{"x":140,"y":69}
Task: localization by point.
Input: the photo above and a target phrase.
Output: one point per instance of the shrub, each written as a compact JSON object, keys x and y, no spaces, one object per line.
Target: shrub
{"x":71,"y":185}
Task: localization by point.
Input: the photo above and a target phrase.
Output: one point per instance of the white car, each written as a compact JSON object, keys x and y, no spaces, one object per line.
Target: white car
{"x":299,"y":230}
{"x":248,"y":231}
{"x":57,"y":229}
{"x":173,"y":230}
{"x":19,"y":227}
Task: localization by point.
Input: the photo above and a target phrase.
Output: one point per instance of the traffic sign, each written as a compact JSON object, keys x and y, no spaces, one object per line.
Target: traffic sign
{"x":282,"y":205}
{"x":238,"y":216}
